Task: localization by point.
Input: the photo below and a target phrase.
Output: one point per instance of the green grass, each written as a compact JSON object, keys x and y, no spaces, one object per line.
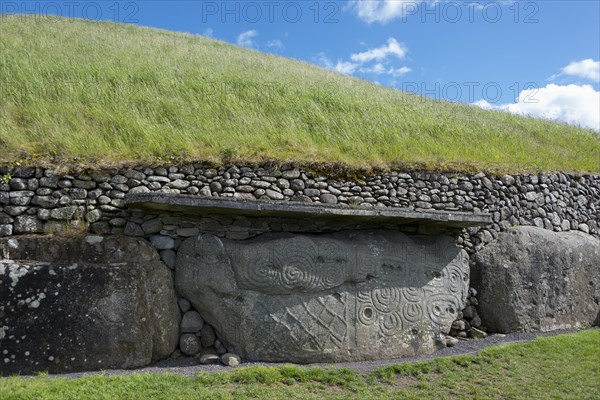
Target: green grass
{"x":560,"y":367}
{"x":105,"y":93}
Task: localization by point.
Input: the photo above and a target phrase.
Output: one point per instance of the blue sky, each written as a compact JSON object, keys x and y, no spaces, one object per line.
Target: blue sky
{"x":529,"y":57}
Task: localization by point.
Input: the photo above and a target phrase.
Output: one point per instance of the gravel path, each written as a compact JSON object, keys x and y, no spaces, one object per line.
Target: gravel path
{"x":188,"y":366}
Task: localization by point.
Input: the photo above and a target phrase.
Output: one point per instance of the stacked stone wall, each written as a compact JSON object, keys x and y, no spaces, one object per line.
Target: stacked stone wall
{"x":39,"y":200}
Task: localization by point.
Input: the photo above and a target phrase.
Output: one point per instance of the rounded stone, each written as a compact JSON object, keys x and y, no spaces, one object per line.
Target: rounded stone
{"x":192,"y":322}
{"x":469,"y":312}
{"x":312,"y":192}
{"x":161,"y":242}
{"x":189,"y":344}
{"x":205,"y":191}
{"x":328,"y":198}
{"x":118,"y":222}
{"x":207,"y":336}
{"x":179,"y":184}
{"x":230,"y":360}
{"x":291,"y":174}
{"x":282,"y":183}
{"x":208,"y":356}
{"x":184,"y":305}
{"x":297,"y":185}
{"x":508,"y":180}
{"x":274,"y":195}
{"x":104,"y":200}
{"x":152,"y":226}
{"x":216,"y":187}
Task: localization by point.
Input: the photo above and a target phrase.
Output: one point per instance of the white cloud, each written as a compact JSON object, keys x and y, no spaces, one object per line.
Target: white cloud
{"x":323,"y":60}
{"x":588,"y":69}
{"x":396,"y":72}
{"x":372,"y":61}
{"x":382,"y":11}
{"x":393,"y":48}
{"x":278,"y":44}
{"x":380,"y":69}
{"x":208,"y":33}
{"x":246,"y":39}
{"x":345,"y":67}
{"x":574,"y":104}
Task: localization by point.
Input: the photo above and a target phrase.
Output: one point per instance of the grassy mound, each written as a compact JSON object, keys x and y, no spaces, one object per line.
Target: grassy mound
{"x":101,"y":92}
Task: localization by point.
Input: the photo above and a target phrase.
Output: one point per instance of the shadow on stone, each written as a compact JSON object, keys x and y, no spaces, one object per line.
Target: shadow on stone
{"x":350,"y":295}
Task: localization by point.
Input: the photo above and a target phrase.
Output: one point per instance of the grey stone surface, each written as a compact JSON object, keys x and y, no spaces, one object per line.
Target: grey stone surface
{"x":168,"y":257}
{"x":328,"y":199}
{"x":207,"y":336}
{"x":93,"y":216}
{"x":191,"y":322}
{"x":27,"y":224}
{"x":184,"y":305}
{"x":554,"y":201}
{"x":84,"y":304}
{"x":335,"y":297}
{"x":6,"y":230}
{"x":532,"y":279}
{"x":152,"y":226}
{"x":191,"y":204}
{"x":189,"y":344}
{"x":230,"y":360}
{"x":162,"y":242}
{"x":208,"y":356}
{"x":133,"y":229}
{"x":64,"y":213}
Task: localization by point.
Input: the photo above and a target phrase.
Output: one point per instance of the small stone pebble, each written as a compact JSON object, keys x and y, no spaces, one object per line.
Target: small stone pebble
{"x":230,"y":360}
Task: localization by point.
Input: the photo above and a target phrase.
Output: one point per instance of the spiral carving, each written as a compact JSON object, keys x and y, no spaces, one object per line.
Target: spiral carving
{"x":332,"y":276}
{"x":297,"y":272}
{"x":386,"y":299}
{"x":412,"y":312}
{"x":455,"y":278}
{"x":412,"y":294}
{"x":391,"y":324}
{"x":367,"y":314}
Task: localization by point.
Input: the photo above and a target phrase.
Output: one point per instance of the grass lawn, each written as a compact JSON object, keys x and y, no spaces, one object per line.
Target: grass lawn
{"x":559,"y":367}
{"x":95,"y":93}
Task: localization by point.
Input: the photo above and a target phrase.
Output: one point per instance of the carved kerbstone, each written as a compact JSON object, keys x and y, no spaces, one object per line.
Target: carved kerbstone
{"x":351,"y":295}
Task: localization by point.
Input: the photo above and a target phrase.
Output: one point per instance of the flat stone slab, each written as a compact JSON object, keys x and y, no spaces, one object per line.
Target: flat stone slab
{"x":344,"y":296}
{"x":291,"y":209}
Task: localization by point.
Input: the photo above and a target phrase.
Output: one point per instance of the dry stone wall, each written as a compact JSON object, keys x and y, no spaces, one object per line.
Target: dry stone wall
{"x":39,"y":200}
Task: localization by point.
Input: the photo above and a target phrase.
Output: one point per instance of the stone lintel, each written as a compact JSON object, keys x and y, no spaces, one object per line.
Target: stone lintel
{"x":192,"y":204}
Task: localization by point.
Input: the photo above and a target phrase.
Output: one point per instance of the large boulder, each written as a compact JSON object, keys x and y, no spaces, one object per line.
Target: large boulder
{"x":75,"y":304}
{"x":532,"y":279}
{"x":352,"y":295}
